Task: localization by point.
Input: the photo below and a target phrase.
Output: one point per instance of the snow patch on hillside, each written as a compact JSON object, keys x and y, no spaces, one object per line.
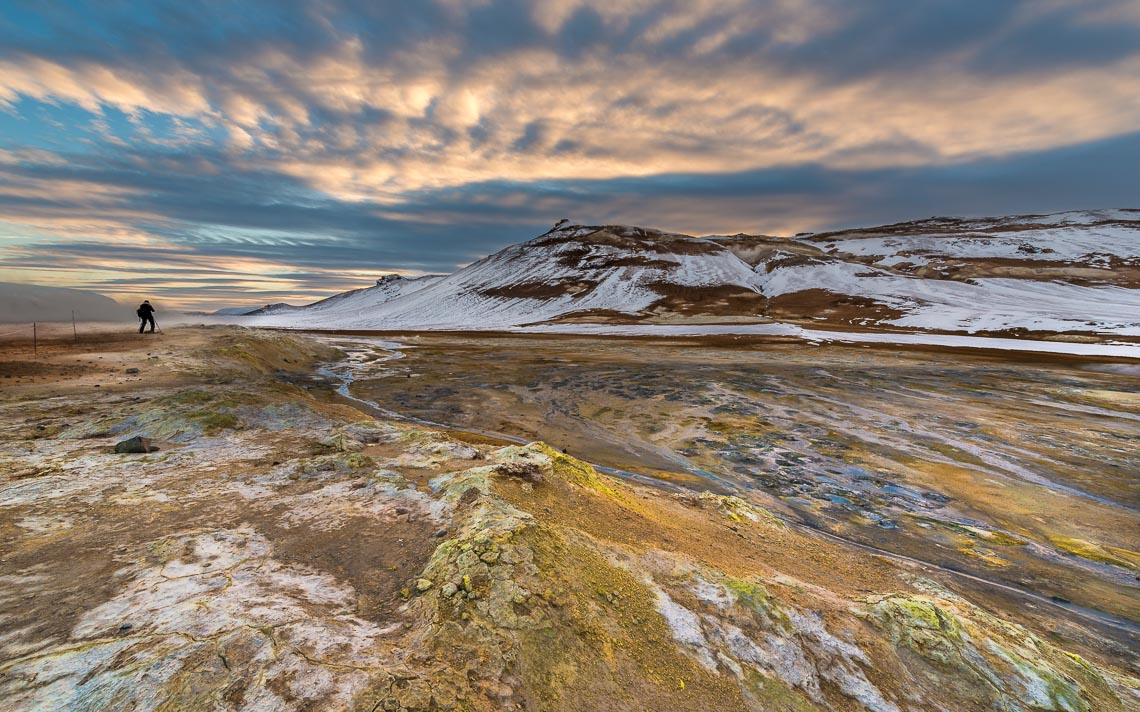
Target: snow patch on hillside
{"x":991,"y":304}
{"x":355,"y":301}
{"x":1063,"y":244}
{"x":491,"y":293}
{"x":1076,"y":237}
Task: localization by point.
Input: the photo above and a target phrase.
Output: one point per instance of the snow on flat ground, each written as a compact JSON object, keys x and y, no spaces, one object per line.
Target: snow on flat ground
{"x":1120,"y":350}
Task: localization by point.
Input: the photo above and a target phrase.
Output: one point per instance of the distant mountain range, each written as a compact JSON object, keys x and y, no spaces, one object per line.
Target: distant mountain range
{"x":25,"y":303}
{"x":1073,"y":272}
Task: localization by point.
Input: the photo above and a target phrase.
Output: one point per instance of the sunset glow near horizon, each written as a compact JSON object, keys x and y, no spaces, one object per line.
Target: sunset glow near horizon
{"x":212,"y":154}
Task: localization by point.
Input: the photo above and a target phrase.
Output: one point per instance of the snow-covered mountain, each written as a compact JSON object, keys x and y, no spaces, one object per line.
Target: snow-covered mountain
{"x":356,"y":301}
{"x":571,"y":272}
{"x":1074,"y":245}
{"x":1068,"y":272}
{"x":1073,"y":271}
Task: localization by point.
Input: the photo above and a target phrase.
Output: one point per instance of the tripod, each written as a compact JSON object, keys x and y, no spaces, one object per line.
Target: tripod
{"x":154,"y":321}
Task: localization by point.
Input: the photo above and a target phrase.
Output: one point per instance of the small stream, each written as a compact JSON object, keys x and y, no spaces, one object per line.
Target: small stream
{"x":366,"y":358}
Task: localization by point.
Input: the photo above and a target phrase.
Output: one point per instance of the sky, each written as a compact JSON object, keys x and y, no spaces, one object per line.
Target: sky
{"x":219,"y":153}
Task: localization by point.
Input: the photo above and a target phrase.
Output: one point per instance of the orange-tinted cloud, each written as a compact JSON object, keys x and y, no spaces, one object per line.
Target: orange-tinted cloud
{"x":304,"y":128}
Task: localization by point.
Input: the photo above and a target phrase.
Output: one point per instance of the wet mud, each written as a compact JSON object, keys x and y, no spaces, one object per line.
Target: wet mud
{"x":988,"y":465}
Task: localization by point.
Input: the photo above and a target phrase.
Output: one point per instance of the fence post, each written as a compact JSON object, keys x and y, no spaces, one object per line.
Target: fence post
{"x":74,"y":333}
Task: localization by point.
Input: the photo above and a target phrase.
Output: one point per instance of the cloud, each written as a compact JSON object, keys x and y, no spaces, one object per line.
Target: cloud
{"x":314,"y":134}
{"x":208,"y":235}
{"x":371,"y":101}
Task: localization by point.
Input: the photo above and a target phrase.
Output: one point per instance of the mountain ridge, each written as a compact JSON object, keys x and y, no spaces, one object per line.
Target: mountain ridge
{"x":1072,"y":272}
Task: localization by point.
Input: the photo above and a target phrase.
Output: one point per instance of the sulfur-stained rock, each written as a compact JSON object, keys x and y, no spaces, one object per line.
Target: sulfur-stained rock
{"x":342,"y":442}
{"x":412,"y":695}
{"x":998,"y":664}
{"x":341,"y":463}
{"x":521,"y":470}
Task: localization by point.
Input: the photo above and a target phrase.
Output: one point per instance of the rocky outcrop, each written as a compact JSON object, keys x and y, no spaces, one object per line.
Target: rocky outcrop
{"x":990,"y":662}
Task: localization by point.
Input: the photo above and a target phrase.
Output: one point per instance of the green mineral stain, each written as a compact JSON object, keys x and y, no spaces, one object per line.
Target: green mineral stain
{"x":574,"y":471}
{"x":187,"y":397}
{"x":755,"y":597}
{"x":1098,"y":553}
{"x":213,"y":422}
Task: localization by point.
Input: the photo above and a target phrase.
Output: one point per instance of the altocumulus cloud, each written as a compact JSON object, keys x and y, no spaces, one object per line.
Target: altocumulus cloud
{"x":220,"y":152}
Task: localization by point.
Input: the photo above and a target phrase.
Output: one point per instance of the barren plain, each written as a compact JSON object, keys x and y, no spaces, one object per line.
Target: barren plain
{"x":489,"y":522}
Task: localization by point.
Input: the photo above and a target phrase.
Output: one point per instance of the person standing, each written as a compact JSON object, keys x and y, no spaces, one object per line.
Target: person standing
{"x":146,"y":313}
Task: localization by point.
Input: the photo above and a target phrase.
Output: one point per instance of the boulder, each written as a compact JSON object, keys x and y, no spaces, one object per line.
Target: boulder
{"x":522,"y":470}
{"x":137,"y":444}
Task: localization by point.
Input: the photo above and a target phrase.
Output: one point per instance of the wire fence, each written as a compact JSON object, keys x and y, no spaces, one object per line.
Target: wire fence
{"x":40,"y":332}
{"x":76,"y":323}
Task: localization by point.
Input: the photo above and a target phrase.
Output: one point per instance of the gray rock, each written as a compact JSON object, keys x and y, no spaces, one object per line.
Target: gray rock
{"x":131,"y":371}
{"x":136,"y":444}
{"x":527,"y":471}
